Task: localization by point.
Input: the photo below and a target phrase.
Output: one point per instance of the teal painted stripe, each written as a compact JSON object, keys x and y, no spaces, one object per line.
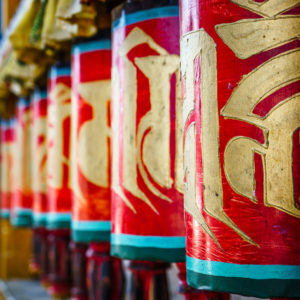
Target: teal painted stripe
{"x":39,"y":95}
{"x":144,"y":15}
{"x":217,"y":268}
{"x":91,"y":46}
{"x":59,"y":217}
{"x":91,"y":225}
{"x":60,"y":72}
{"x":23,"y":212}
{"x":23,"y":102}
{"x":88,"y":236}
{"x":5,"y":213}
{"x":39,"y":218}
{"x":8,"y":124}
{"x":168,"y":242}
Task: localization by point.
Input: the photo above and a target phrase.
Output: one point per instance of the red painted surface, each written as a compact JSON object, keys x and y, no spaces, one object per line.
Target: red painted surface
{"x":89,"y":67}
{"x":275,"y":231}
{"x":168,"y":220}
{"x":60,"y":199}
{"x":39,"y":114}
{"x":7,"y":158}
{"x":22,"y":194}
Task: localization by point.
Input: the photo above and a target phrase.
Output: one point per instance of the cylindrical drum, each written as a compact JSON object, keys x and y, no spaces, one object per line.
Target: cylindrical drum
{"x":39,"y":154}
{"x":58,"y":136}
{"x":39,"y":178}
{"x":21,"y":210}
{"x":147,"y":175}
{"x":59,"y":179}
{"x":7,"y":164}
{"x":91,"y":86}
{"x":241,"y":113}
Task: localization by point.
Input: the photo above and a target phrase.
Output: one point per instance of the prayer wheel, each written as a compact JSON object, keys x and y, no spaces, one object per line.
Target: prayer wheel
{"x":21,"y":206}
{"x":39,"y":181}
{"x":7,"y":163}
{"x":59,"y":179}
{"x":241,"y":108}
{"x":91,"y":163}
{"x":147,"y":175}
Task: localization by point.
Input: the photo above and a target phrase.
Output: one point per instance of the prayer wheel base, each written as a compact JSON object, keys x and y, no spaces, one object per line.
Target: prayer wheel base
{"x":59,"y":263}
{"x":44,"y":258}
{"x":79,"y":288}
{"x":35,"y":263}
{"x":148,"y":280}
{"x":105,"y":273}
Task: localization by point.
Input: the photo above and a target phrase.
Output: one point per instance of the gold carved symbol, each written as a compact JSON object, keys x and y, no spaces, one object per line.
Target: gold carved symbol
{"x":7,"y":164}
{"x":90,"y":149}
{"x":22,"y":164}
{"x":39,"y":152}
{"x":58,"y":111}
{"x":146,"y":148}
{"x":246,"y":38}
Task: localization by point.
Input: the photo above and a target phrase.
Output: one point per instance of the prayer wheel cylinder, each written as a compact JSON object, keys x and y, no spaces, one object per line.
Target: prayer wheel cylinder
{"x":59,"y":179}
{"x":147,"y":177}
{"x":39,"y":176}
{"x":39,"y":153}
{"x":7,"y":164}
{"x":91,"y":144}
{"x":241,"y":108}
{"x":21,"y":209}
{"x":147,"y":207}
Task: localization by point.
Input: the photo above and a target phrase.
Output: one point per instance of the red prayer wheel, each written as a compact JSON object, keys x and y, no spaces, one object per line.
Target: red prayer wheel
{"x":147,"y":207}
{"x":91,"y":163}
{"x":21,"y":206}
{"x":59,"y":179}
{"x":241,"y":108}
{"x":7,"y":164}
{"x":91,"y":86}
{"x":147,"y":177}
{"x":39,"y":163}
{"x":39,"y":177}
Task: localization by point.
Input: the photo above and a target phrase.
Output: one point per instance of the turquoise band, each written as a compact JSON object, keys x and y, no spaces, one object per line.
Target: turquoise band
{"x":144,"y":15}
{"x":59,"y":72}
{"x":91,"y":46}
{"x":5,"y":213}
{"x":85,"y":236}
{"x":39,"y":95}
{"x":168,"y":255}
{"x":22,"y":217}
{"x":262,"y":288}
{"x":23,"y":102}
{"x":91,"y":225}
{"x":215,"y":268}
{"x":40,"y":219}
{"x":59,"y":220}
{"x":167,"y":242}
{"x":91,"y":231}
{"x":153,"y":248}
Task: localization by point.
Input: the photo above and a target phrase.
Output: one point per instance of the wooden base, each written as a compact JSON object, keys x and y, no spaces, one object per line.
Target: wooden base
{"x":105,"y":276}
{"x":147,"y":280}
{"x":60,"y":278}
{"x":44,"y":274}
{"x":79,"y":287}
{"x":35,"y":263}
